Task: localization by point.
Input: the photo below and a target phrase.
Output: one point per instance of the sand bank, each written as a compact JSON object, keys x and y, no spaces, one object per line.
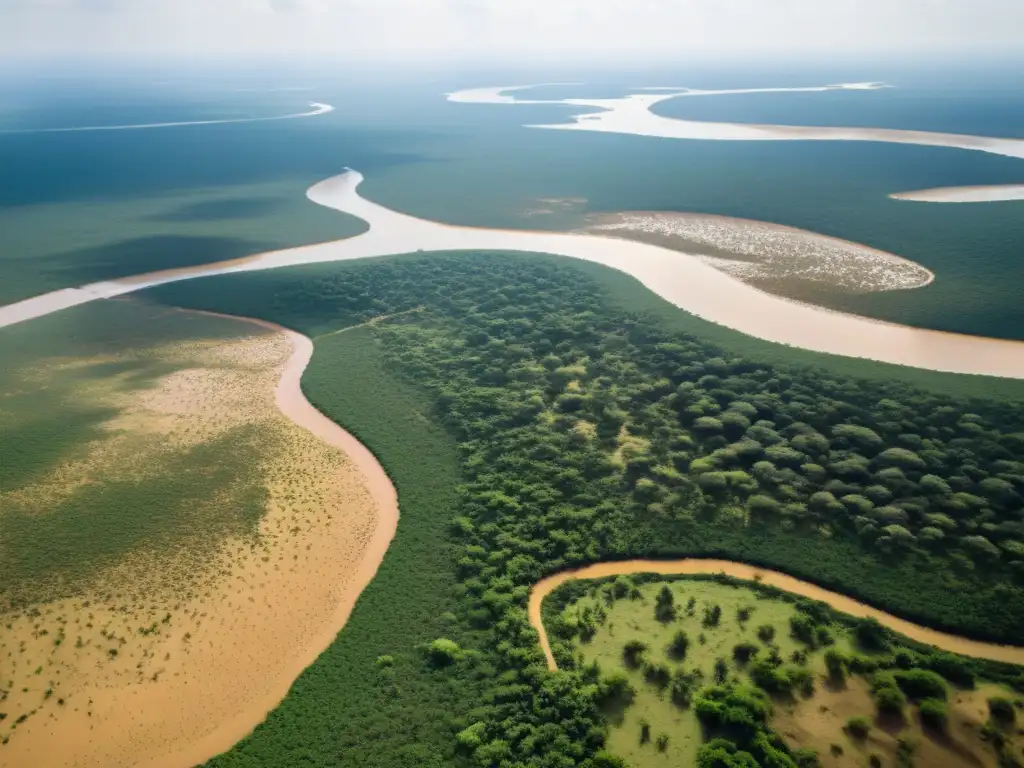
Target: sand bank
{"x":216,"y":656}
{"x":772,"y":257}
{"x":977,"y":194}
{"x":953,"y":643}
{"x":632,"y":115}
{"x":316,"y":109}
{"x":684,"y":280}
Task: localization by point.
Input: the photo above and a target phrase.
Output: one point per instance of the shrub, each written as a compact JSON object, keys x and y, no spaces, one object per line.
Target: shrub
{"x":665,"y":609}
{"x":836,"y":663}
{"x":858,"y":727}
{"x":657,"y":674}
{"x":1001,"y":709}
{"x":617,"y":689}
{"x":743,"y":652}
{"x":921,"y":684}
{"x":443,"y":652}
{"x":661,"y":742}
{"x":633,"y":652}
{"x":933,"y":713}
{"x":889,"y":700}
{"x":871,"y":635}
{"x":383,"y":662}
{"x":766,"y":633}
{"x":678,"y":646}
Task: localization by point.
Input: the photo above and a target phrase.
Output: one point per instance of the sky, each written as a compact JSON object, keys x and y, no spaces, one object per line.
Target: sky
{"x":400,"y":31}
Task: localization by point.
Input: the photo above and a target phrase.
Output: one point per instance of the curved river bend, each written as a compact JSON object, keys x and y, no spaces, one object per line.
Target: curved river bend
{"x":294,"y":405}
{"x":947,"y":642}
{"x":684,"y":280}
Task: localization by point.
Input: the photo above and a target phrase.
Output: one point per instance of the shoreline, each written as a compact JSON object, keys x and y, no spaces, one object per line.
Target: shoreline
{"x":692,"y":566}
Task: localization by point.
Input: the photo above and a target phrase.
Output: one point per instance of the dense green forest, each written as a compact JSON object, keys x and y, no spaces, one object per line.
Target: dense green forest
{"x":586,"y":430}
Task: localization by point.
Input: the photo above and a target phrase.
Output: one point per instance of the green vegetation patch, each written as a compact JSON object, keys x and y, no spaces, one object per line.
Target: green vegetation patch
{"x":586,"y":431}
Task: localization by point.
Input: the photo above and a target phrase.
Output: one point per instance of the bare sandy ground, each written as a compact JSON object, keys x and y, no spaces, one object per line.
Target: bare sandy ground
{"x":978,"y":194}
{"x":978,"y":649}
{"x":197,"y":669}
{"x":631,"y":114}
{"x":316,"y":108}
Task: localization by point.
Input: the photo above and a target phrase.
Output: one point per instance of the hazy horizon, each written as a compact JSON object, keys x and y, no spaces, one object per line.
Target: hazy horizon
{"x":530,"y":32}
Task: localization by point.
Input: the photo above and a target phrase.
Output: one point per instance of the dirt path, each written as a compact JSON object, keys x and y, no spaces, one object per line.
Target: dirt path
{"x":947,"y":642}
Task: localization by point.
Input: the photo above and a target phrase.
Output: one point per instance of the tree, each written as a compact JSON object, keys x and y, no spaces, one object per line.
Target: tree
{"x":664,"y":608}
{"x":633,"y":652}
{"x":721,"y":670}
{"x":678,"y":646}
{"x":443,"y":652}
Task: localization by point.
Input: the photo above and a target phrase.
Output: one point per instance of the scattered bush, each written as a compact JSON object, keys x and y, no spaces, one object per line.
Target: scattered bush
{"x":1001,"y":709}
{"x":679,"y":644}
{"x":933,"y":713}
{"x":858,"y":727}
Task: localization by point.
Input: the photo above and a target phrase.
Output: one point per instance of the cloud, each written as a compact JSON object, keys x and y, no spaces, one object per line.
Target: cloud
{"x":517,"y":30}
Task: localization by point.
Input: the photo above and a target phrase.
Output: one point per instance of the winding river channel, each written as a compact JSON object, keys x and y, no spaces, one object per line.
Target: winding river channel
{"x":292,"y":403}
{"x":684,"y":280}
{"x":947,"y":642}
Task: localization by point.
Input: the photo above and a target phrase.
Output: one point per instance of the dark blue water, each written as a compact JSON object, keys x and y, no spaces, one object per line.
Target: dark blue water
{"x":477,"y":165}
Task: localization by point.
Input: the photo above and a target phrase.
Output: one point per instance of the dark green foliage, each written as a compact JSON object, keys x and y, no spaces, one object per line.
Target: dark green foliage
{"x":889,"y":699}
{"x":677,"y":647}
{"x":633,"y":653}
{"x":766,"y":633}
{"x":920,"y":684}
{"x":744,"y":652}
{"x":858,"y":727}
{"x":933,"y":714}
{"x":871,"y":635}
{"x":665,"y":609}
{"x":494,"y":349}
{"x":1001,"y":709}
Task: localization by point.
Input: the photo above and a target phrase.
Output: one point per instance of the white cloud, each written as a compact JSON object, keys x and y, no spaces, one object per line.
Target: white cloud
{"x":509,"y":29}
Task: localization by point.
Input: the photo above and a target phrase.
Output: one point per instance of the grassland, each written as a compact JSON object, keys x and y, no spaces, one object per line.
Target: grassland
{"x":143,"y":234}
{"x":610,"y":614}
{"x":175,"y":552}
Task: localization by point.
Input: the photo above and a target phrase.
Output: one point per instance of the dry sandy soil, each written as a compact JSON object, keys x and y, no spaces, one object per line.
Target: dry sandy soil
{"x":158,"y":667}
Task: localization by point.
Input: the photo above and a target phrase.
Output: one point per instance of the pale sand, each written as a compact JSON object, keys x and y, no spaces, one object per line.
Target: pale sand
{"x":977,"y":194}
{"x":632,"y":114}
{"x":761,"y":253}
{"x":682,"y":279}
{"x":975,"y":648}
{"x":545,"y":587}
{"x":257,"y":615}
{"x":317,"y":109}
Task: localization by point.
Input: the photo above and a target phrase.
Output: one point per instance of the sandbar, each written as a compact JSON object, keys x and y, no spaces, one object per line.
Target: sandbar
{"x":976,"y":194}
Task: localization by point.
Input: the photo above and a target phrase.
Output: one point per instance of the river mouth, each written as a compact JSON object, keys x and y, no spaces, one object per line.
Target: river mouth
{"x":841,"y":603}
